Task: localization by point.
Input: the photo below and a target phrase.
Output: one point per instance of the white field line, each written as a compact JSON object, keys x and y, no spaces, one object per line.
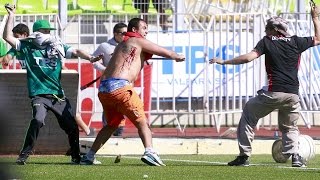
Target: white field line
{"x":218,"y":163}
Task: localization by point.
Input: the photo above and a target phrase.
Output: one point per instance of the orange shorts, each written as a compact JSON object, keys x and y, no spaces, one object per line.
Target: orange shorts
{"x":122,"y":102}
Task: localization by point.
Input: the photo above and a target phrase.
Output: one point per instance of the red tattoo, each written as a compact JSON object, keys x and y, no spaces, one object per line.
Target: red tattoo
{"x":128,"y":58}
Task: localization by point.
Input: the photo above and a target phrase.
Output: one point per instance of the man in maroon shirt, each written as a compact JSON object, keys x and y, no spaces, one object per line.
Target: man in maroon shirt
{"x":282,"y":57}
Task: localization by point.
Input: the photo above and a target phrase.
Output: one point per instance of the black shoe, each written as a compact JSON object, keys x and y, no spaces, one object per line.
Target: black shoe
{"x":22,"y":159}
{"x":240,"y":161}
{"x":119,"y":131}
{"x":75,"y":160}
{"x":297,"y":161}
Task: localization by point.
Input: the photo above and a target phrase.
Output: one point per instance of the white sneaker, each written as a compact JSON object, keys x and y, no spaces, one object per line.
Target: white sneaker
{"x":152,"y":159}
{"x":96,"y":162}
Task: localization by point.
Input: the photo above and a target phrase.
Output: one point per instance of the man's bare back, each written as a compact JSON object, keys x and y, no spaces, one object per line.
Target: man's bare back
{"x":126,"y":61}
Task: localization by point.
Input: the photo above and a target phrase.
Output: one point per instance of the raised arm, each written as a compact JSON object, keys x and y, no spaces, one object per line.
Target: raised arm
{"x":315,"y":19}
{"x":7,"y":35}
{"x":242,"y":59}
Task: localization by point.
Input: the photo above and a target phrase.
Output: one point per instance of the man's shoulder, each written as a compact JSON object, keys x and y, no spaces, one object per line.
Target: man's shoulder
{"x":26,"y":43}
{"x":106,"y":46}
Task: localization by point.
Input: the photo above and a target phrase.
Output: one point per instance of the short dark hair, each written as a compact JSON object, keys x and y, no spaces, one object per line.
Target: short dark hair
{"x":21,"y":28}
{"x":134,"y":23}
{"x":118,"y":26}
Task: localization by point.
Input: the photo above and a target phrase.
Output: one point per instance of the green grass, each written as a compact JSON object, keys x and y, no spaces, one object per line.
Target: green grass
{"x":179,"y":167}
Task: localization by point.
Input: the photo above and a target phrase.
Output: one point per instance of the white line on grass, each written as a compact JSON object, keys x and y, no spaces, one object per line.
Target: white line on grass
{"x":299,"y":168}
{"x":173,"y":160}
{"x":221,"y":163}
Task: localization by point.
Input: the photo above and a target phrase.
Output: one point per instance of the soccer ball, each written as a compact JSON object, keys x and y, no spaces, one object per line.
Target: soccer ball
{"x":307,"y":150}
{"x":277,"y":152}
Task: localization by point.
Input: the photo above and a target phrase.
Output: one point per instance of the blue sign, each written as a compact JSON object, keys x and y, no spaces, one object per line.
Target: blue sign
{"x":167,"y":66}
{"x":232,"y":50}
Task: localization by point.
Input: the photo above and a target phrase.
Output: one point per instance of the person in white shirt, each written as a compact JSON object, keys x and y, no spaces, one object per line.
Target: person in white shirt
{"x":107,"y":49}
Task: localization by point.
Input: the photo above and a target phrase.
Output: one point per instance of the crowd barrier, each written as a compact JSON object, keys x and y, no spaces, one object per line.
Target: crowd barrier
{"x":193,"y":93}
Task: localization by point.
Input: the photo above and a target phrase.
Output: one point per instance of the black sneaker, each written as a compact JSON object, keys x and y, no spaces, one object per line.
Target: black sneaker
{"x":297,"y":161}
{"x":239,"y":161}
{"x":22,"y":159}
{"x":75,"y":160}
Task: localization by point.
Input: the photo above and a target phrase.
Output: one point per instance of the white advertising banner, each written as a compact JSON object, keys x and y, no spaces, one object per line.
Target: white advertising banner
{"x":173,"y":79}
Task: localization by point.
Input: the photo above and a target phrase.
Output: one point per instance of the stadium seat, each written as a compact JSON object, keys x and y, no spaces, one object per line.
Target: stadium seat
{"x":31,"y":7}
{"x":51,"y":5}
{"x":72,"y":6}
{"x":127,"y":6}
{"x":93,"y":6}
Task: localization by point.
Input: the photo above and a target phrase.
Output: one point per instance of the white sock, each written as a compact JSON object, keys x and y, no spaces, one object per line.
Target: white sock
{"x":149,"y":149}
{"x":90,"y":155}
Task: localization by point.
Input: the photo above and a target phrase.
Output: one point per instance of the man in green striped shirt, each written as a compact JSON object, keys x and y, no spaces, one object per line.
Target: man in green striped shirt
{"x":43,"y":55}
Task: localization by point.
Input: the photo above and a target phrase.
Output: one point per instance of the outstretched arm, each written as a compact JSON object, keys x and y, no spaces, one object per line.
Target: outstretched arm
{"x":150,"y":47}
{"x":84,"y":55}
{"x":7,"y":35}
{"x":242,"y":59}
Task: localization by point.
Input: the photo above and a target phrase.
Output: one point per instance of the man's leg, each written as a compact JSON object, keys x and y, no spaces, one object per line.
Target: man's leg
{"x":287,"y":122}
{"x":66,"y":118}
{"x":102,"y":137}
{"x":39,"y":112}
{"x":120,"y":129}
{"x":254,"y":109}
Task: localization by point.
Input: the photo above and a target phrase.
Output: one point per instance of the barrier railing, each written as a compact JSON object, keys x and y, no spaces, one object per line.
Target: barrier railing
{"x":192,"y":93}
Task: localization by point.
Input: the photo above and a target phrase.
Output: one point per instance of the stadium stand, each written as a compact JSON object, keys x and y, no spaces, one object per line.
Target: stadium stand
{"x":95,"y":6}
{"x":31,"y":7}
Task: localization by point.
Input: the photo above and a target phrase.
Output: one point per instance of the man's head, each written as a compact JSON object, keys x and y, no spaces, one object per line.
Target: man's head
{"x":118,"y":31}
{"x":139,"y":26}
{"x":21,"y":31}
{"x":277,"y":25}
{"x":42,"y":26}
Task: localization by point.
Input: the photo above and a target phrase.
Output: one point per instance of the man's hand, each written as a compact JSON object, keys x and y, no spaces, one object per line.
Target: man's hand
{"x":180,"y":58}
{"x":11,"y":9}
{"x":97,"y":58}
{"x":216,"y":60}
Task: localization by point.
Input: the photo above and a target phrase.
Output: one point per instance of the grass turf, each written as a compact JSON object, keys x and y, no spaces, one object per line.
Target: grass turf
{"x":178,"y":167}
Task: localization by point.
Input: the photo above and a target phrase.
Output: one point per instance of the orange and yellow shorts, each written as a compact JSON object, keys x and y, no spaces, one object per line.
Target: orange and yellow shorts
{"x":122,"y":102}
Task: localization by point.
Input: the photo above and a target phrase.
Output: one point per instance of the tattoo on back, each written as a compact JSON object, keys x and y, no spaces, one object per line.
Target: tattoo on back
{"x":129,"y":53}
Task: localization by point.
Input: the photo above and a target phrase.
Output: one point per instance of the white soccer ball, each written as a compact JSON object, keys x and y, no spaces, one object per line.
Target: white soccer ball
{"x":307,"y":150}
{"x":277,"y":152}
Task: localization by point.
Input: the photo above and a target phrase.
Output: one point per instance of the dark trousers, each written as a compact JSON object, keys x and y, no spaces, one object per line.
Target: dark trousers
{"x":61,"y":108}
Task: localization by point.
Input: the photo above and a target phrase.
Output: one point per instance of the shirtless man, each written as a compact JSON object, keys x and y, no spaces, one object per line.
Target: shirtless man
{"x":118,"y":97}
